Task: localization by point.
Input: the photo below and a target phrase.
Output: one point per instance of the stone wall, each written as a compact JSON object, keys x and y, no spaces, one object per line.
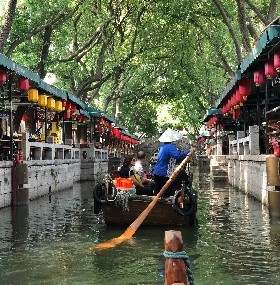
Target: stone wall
{"x":46,"y":176}
{"x":51,"y":176}
{"x":43,"y":177}
{"x":248,"y":173}
{"x":5,"y":183}
{"x":93,"y":170}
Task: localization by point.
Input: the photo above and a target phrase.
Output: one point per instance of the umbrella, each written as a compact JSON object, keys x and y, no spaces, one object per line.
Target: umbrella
{"x":170,"y":136}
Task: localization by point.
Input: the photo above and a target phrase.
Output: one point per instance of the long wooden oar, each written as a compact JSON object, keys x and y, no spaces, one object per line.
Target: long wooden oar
{"x":136,"y":224}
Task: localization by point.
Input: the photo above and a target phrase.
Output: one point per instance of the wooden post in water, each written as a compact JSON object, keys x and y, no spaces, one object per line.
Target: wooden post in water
{"x":175,"y":268}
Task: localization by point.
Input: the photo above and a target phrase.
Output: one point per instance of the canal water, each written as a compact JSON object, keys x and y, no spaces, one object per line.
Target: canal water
{"x":48,"y":242}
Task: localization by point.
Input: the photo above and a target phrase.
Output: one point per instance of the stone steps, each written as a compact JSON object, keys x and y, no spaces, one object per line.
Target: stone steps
{"x":220,"y":178}
{"x":219,"y":172}
{"x":219,"y":169}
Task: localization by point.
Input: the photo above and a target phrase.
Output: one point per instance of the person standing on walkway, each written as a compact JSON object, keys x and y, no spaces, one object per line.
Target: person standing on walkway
{"x":167,"y":156}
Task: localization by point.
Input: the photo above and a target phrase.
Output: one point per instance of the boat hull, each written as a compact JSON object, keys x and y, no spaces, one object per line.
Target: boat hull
{"x":162,"y":214}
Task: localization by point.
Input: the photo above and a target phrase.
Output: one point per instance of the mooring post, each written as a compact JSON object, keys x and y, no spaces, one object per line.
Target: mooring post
{"x":175,"y":268}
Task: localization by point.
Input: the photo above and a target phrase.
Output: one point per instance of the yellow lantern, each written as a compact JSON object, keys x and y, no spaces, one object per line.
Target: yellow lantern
{"x":58,"y":106}
{"x":42,"y":101}
{"x":32,"y":95}
{"x":50,"y":103}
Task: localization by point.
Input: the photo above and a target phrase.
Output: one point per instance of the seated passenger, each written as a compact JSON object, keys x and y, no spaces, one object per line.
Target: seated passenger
{"x":127,"y":172}
{"x":138,"y":167}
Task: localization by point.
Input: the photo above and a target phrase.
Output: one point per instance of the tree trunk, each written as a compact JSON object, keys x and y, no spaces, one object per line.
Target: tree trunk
{"x":18,"y":116}
{"x":7,"y":24}
{"x":68,"y":130}
{"x":272,"y":11}
{"x":30,"y":123}
{"x":82,"y":133}
{"x":242,"y":26}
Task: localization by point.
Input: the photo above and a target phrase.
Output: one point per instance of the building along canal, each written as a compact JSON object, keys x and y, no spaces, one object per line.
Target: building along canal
{"x":48,"y":242}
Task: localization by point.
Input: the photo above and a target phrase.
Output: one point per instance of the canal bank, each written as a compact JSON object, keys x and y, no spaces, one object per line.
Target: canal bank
{"x":48,"y":168}
{"x":246,"y":169}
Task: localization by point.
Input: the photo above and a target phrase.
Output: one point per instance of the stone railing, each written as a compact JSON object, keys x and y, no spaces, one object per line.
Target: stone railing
{"x":245,"y":145}
{"x":90,"y":152}
{"x":50,"y":151}
{"x":46,"y":151}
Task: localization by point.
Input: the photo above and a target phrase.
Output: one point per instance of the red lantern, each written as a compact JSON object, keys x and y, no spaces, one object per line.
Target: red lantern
{"x":118,"y":134}
{"x":233,"y":101}
{"x":243,"y":90}
{"x":101,"y":120}
{"x":241,"y":98}
{"x":244,"y":87}
{"x":3,"y":75}
{"x":23,"y":118}
{"x":228,"y":106}
{"x":269,"y":70}
{"x":68,"y":109}
{"x":259,"y":77}
{"x":276,"y":149}
{"x":23,"y":84}
{"x":67,"y":115}
{"x":276,"y":61}
{"x":63,"y":101}
{"x":68,"y":106}
{"x":73,"y":108}
{"x":236,"y":100}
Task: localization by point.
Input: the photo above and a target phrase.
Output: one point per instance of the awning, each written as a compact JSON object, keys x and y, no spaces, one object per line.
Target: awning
{"x":229,"y":87}
{"x":76,"y":100}
{"x":24,"y":72}
{"x":98,"y":113}
{"x":84,"y":112}
{"x":269,"y":35}
{"x":52,"y":90}
{"x":212,"y":112}
{"x":107,"y":117}
{"x":93,"y":112}
{"x":119,"y":126}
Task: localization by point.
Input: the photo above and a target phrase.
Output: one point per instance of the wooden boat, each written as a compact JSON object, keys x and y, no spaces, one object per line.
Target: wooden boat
{"x":122,"y":207}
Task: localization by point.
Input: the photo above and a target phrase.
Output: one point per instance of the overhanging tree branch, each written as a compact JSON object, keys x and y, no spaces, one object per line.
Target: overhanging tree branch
{"x":60,"y":18}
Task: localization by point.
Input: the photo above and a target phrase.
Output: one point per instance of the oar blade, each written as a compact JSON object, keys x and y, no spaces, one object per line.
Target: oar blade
{"x":111,"y":243}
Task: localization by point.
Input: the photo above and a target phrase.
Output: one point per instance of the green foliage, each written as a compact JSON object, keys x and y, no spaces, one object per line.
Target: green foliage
{"x":142,"y":55}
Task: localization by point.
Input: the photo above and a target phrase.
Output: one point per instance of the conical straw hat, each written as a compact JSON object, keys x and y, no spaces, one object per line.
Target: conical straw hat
{"x":170,"y":136}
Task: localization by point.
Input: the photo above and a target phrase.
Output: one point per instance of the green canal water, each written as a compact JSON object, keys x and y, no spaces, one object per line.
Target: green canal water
{"x":47,"y":243}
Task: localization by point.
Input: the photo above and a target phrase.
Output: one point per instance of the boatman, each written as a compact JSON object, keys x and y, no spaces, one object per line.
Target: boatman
{"x":167,"y":156}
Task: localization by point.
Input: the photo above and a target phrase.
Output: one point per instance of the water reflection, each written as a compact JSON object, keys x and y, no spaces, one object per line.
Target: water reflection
{"x":48,"y":242}
{"x":239,"y":231}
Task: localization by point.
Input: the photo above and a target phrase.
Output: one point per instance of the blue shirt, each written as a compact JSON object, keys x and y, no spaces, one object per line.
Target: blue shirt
{"x":167,"y":150}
